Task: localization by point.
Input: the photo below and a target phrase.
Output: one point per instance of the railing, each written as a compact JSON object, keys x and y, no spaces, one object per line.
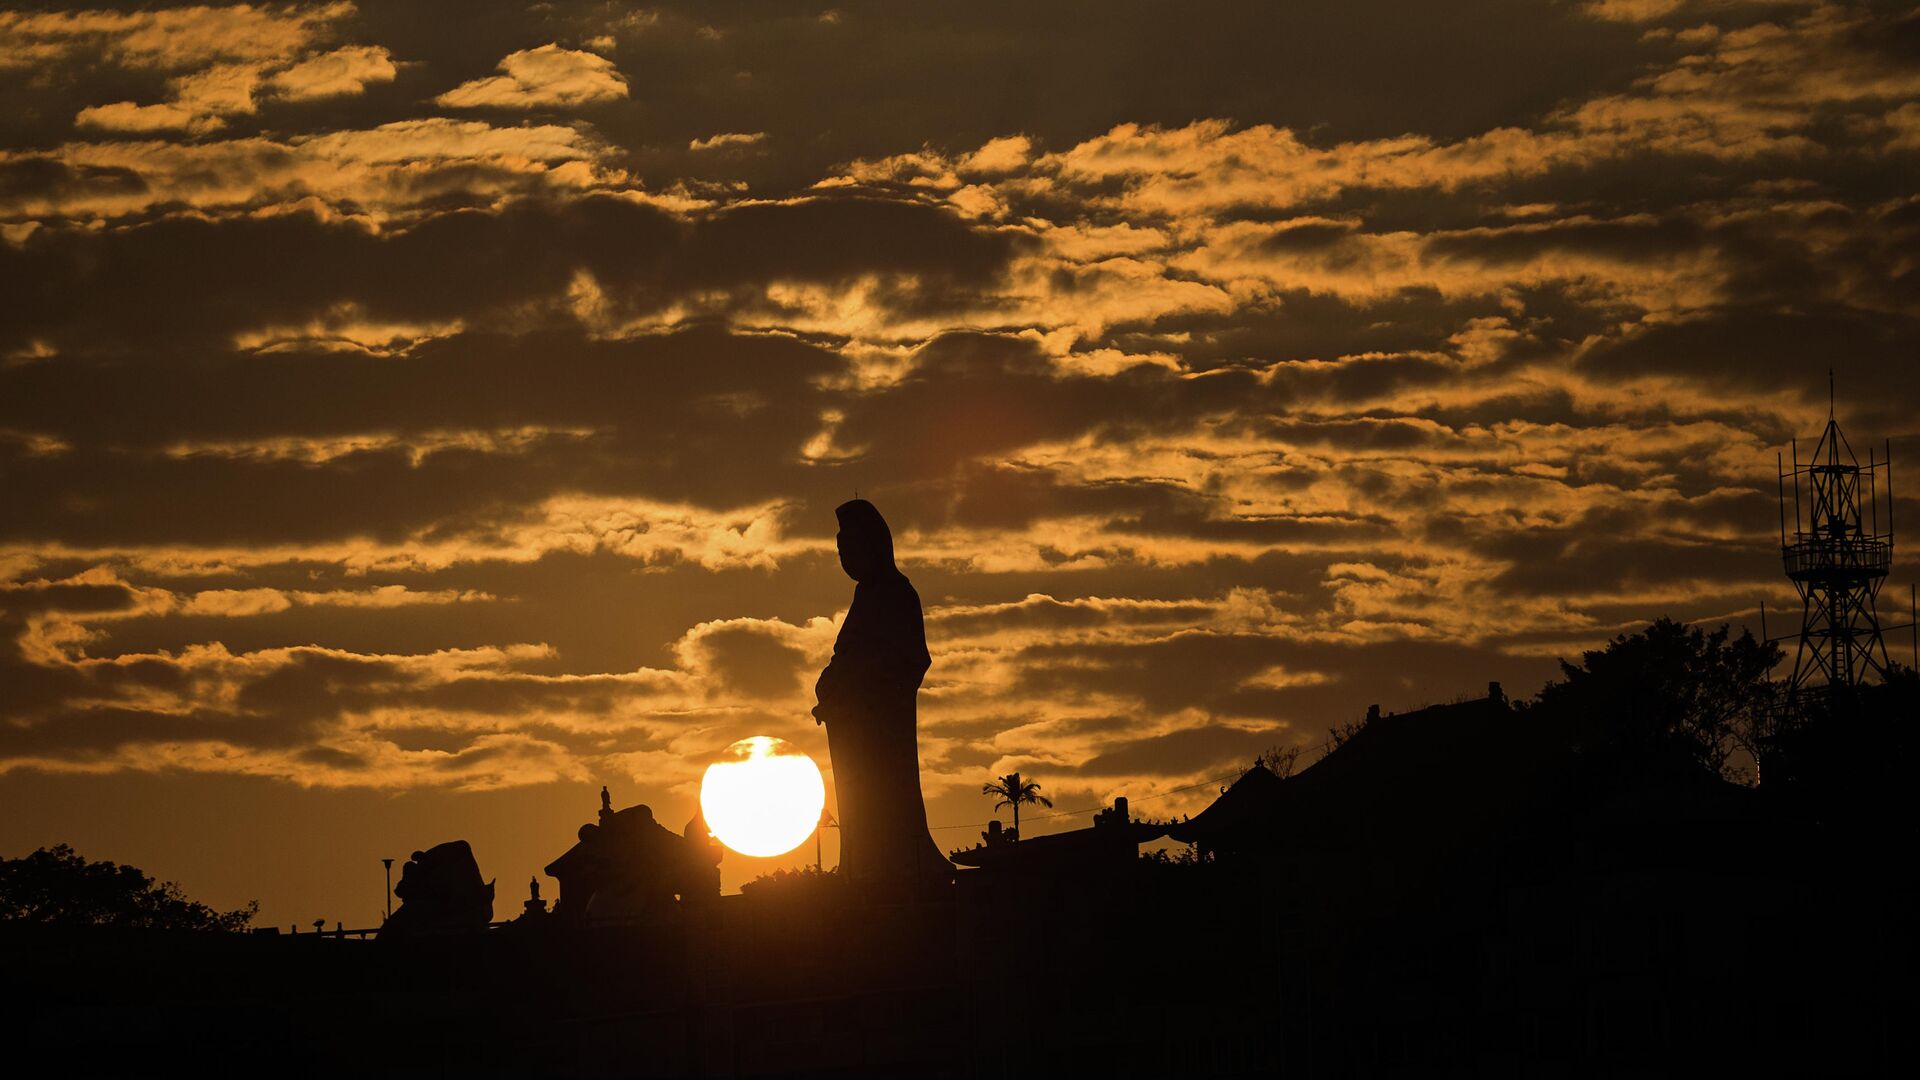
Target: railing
{"x":1813,"y":557}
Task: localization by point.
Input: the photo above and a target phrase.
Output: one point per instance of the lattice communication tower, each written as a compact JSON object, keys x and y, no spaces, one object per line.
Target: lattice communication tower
{"x":1837,"y":555}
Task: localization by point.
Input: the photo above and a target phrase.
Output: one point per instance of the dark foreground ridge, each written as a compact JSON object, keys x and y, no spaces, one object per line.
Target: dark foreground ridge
{"x":1455,"y":891}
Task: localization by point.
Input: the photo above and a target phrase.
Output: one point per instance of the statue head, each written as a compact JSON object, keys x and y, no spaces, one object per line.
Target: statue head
{"x":865,"y":542}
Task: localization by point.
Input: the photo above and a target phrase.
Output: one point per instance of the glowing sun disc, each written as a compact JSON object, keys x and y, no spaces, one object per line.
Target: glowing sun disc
{"x":763,"y":797}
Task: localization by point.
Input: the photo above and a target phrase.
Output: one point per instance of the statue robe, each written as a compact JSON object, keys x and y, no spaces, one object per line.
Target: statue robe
{"x":867,"y":702}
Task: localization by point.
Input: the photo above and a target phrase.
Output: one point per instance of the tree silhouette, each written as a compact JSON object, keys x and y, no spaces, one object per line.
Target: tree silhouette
{"x":1669,"y":693}
{"x":1012,"y":791}
{"x":1280,"y":760}
{"x":56,"y":886}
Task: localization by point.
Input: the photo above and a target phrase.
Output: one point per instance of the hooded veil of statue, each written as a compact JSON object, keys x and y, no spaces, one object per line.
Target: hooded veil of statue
{"x":867,"y":701}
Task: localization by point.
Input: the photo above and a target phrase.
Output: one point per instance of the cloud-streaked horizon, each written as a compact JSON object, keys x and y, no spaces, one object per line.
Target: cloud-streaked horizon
{"x":396,"y":409}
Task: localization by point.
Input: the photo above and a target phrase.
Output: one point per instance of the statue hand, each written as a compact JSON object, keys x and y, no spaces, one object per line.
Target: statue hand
{"x":822,"y":690}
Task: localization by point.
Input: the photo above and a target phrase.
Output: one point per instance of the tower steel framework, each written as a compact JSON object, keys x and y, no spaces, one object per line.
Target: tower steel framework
{"x":1837,"y":555}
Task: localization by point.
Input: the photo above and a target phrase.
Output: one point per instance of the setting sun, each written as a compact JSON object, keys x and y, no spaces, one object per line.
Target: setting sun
{"x":763,"y":797}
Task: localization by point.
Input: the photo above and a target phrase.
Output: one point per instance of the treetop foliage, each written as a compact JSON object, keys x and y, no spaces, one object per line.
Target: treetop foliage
{"x":1670,"y":692}
{"x":58,"y":887}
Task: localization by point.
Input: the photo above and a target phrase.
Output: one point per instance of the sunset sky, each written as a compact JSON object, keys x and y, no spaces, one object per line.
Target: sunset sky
{"x":414,"y":416}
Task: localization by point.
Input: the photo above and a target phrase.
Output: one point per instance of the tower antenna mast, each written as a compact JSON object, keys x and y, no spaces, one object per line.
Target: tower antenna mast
{"x":1837,"y":562}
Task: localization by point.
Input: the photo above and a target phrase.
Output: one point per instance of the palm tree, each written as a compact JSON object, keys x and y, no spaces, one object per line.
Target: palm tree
{"x":1012,"y":791}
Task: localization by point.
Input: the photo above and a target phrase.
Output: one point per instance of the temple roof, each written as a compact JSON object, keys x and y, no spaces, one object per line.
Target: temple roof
{"x":1420,"y":789}
{"x":1255,"y":793}
{"x":1065,"y":848}
{"x":1417,"y":773}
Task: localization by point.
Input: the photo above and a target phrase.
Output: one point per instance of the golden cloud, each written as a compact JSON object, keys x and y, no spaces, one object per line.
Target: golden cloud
{"x":536,"y":78}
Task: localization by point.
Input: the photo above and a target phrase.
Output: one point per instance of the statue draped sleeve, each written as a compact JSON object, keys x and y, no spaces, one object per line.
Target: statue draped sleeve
{"x":881,"y":652}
